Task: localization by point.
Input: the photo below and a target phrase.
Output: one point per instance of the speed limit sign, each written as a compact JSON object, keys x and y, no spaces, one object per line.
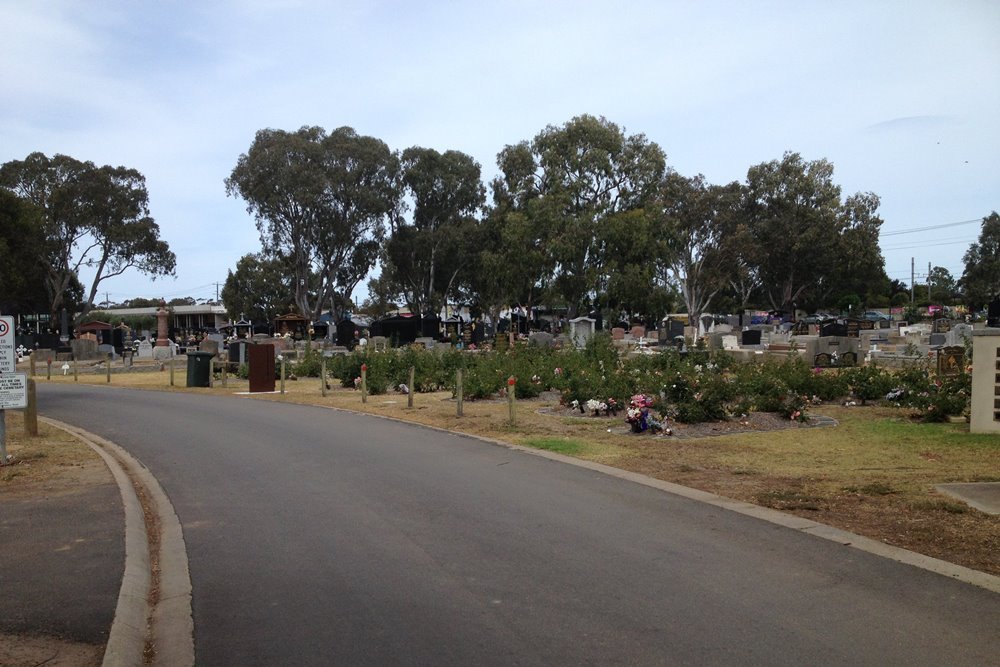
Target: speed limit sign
{"x":8,"y":359}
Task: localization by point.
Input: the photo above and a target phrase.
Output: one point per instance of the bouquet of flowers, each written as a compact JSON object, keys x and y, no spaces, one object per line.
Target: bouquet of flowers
{"x":637,"y":413}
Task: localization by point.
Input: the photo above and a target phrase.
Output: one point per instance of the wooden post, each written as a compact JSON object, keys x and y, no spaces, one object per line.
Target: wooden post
{"x":109,"y":368}
{"x":282,"y":374}
{"x":322,"y":377}
{"x":225,"y":374}
{"x":31,"y":363}
{"x":76,"y":371}
{"x":211,"y":373}
{"x":459,"y":390}
{"x":511,"y":382}
{"x":171,"y":360}
{"x":31,"y":412}
{"x":48,"y":369}
{"x":409,"y":389}
{"x":364,"y":383}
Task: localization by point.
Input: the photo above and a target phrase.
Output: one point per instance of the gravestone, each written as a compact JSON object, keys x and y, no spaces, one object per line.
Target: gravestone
{"x":938,"y":339}
{"x":84,"y":348}
{"x":823,"y":360}
{"x":950,"y":360}
{"x":581,"y":329}
{"x":145,"y":350}
{"x":618,"y":333}
{"x":993,"y":313}
{"x":540,"y":338}
{"x":942,"y":325}
{"x":427,"y":341}
{"x":238,"y":351}
{"x":379,"y":343}
{"x":209,"y":345}
{"x":750,"y":337}
{"x":638,"y":331}
{"x":105,"y":350}
{"x":849,"y":359}
{"x":832,"y":328}
{"x":960,"y":334}
{"x":729,"y":341}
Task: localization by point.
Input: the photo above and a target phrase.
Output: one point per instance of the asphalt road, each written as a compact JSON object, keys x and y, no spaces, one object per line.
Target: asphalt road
{"x":317,"y":537}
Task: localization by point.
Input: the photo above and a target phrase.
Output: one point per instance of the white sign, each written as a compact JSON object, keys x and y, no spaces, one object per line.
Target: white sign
{"x":14,"y":391}
{"x":8,"y":357}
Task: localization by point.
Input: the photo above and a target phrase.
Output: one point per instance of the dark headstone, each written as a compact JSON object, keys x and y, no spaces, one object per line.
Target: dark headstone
{"x":993,"y":313}
{"x":938,"y":339}
{"x":823,"y":360}
{"x":750,"y":337}
{"x":832,"y":328}
{"x":849,"y":359}
{"x":942,"y":325}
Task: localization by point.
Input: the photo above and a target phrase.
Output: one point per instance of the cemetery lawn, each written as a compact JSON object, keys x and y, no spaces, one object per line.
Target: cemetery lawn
{"x":872,"y":474}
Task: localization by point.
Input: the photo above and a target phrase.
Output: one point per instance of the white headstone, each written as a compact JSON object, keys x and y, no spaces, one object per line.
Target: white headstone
{"x":145,"y":350}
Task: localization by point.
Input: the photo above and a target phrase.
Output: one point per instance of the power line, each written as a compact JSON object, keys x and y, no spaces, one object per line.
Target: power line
{"x":925,"y":229}
{"x":927,"y":245}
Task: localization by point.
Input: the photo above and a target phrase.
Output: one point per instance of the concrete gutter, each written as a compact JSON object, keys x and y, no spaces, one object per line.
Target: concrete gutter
{"x":153,"y":622}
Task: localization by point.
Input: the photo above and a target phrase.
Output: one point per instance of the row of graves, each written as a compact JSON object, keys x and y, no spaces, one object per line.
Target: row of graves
{"x":839,"y":343}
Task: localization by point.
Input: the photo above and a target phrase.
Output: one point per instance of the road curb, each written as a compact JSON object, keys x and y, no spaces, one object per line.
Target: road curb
{"x":820,"y":530}
{"x":168,"y":625}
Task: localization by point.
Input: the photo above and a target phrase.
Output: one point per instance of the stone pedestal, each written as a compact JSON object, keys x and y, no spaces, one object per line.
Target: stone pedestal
{"x":161,"y":326}
{"x":985,"y":381}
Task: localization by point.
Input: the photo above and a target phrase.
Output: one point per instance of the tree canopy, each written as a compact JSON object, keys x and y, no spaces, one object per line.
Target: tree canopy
{"x":981,"y":278}
{"x":802,"y":233}
{"x":95,"y":217}
{"x":321,"y":201}
{"x":259,"y":289}
{"x":426,"y":254}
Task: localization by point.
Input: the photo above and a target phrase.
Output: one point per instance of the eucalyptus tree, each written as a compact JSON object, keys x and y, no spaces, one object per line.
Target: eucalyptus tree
{"x":323,"y":202}
{"x":515,"y":266}
{"x":93,"y":217}
{"x":22,"y":243}
{"x":569,"y":182}
{"x":425,"y":255}
{"x":980,"y":281}
{"x":587,"y":171}
{"x":259,"y":289}
{"x":803,"y":234}
{"x":697,"y":220}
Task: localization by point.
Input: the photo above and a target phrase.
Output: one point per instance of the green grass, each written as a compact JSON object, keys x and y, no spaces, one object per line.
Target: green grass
{"x":567,"y":446}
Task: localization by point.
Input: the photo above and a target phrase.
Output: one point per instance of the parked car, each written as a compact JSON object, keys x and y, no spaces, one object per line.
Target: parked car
{"x":875,"y":316}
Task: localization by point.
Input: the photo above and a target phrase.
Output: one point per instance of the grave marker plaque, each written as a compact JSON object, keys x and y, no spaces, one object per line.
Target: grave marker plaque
{"x":950,"y":360}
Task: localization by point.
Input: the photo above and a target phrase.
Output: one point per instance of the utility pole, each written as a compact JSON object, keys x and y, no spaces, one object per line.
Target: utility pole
{"x":913,"y":277}
{"x":928,"y":282}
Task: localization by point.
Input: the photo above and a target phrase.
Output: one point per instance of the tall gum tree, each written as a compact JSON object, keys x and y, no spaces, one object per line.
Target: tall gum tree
{"x":427,"y":254}
{"x":585,"y":171}
{"x":981,"y":279}
{"x":802,"y":233}
{"x":321,"y":201}
{"x":94,"y":217}
{"x":695,"y":219}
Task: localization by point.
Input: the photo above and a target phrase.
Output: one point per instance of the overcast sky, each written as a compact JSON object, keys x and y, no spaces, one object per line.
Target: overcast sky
{"x":903,"y":97}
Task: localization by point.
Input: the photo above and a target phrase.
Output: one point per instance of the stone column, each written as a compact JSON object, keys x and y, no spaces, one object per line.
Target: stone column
{"x":161,"y":325}
{"x":985,"y":381}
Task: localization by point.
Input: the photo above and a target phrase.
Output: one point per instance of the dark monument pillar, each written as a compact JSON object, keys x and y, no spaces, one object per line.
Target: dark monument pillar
{"x":261,"y":361}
